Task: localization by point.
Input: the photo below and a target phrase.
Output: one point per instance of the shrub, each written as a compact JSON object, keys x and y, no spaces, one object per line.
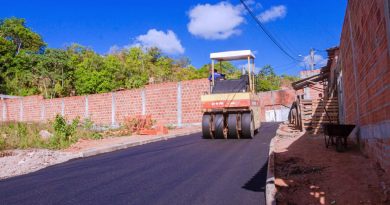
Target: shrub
{"x":64,"y":133}
{"x":87,"y":124}
{"x":21,"y":130}
{"x":20,"y":135}
{"x":2,"y":143}
{"x":96,"y":136}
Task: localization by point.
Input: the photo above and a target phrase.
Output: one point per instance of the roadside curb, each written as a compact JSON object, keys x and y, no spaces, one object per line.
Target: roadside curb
{"x":120,"y":146}
{"x":282,"y":133}
{"x":270,"y":188}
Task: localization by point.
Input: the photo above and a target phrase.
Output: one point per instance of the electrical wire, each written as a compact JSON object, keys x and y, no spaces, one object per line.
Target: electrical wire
{"x":268,"y":33}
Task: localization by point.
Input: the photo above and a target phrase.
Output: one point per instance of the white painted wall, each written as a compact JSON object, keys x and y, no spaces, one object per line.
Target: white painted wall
{"x":277,"y":115}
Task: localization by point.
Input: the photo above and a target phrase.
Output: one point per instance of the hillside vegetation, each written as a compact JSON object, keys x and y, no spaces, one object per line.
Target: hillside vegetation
{"x":29,"y":67}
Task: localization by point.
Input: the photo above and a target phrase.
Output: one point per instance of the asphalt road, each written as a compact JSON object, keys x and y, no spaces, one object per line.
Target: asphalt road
{"x":184,"y":170}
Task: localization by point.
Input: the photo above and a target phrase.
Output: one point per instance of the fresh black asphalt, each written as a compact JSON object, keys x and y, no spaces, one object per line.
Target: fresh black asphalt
{"x":184,"y":170}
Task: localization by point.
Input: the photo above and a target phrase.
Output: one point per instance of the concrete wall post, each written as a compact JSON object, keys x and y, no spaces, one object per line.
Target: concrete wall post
{"x":62,"y":108}
{"x":179,"y":105}
{"x":143,"y":99}
{"x":86,"y":114}
{"x":4,"y":117}
{"x":113,"y":109}
{"x":21,"y":110}
{"x":43,"y":112}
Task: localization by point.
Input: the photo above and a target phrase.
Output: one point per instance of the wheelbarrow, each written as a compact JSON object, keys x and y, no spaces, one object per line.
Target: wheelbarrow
{"x":337,"y":134}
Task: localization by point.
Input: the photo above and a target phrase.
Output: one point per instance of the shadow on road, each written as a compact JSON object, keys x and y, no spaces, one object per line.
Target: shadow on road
{"x":257,"y":182}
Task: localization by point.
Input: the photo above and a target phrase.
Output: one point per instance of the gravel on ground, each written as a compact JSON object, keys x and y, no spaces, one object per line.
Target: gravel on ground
{"x":18,"y":162}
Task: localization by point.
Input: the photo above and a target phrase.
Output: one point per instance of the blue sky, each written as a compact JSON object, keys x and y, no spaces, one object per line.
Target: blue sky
{"x":188,"y":28}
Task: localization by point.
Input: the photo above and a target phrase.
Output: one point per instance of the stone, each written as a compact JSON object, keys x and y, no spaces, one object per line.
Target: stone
{"x":45,"y":135}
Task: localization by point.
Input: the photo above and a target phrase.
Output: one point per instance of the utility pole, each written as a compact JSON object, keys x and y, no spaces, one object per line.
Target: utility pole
{"x":312,"y":59}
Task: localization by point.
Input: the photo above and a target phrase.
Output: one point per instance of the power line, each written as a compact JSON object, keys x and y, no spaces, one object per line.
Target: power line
{"x":267,"y":32}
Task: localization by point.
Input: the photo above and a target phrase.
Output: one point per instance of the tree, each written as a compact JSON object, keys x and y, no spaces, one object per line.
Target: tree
{"x":18,"y":44}
{"x":92,"y":75}
{"x":224,"y":67}
{"x":267,"y":71}
{"x":27,"y":67}
{"x":22,"y":37}
{"x":54,"y":73}
{"x":267,"y":80}
{"x":18,"y":77}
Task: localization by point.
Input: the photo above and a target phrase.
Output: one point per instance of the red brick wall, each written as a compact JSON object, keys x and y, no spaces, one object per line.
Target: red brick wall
{"x":32,"y":104}
{"x":99,"y":106}
{"x":160,"y":101}
{"x":128,"y":103}
{"x":52,"y":107}
{"x":74,"y":107}
{"x":365,"y":57}
{"x":191,"y":106}
{"x":13,"y":109}
{"x":275,"y":100}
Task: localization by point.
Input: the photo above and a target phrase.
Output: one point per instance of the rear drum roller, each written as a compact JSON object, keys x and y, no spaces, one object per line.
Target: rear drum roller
{"x":206,"y":126}
{"x":247,"y":126}
{"x":232,"y":127}
{"x":219,"y":126}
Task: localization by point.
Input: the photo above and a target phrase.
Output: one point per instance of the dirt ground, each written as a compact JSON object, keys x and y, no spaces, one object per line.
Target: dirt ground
{"x":309,"y":173}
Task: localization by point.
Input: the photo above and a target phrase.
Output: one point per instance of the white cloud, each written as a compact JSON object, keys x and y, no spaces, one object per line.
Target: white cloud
{"x":166,"y":41}
{"x":215,"y":22}
{"x":272,"y":14}
{"x":319,"y":61}
{"x":114,"y":49}
{"x":253,"y":4}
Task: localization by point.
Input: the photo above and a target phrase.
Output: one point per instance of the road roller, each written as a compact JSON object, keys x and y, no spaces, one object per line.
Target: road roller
{"x":231,"y":109}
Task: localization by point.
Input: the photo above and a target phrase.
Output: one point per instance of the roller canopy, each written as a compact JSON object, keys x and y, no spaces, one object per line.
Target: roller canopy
{"x":232,"y":55}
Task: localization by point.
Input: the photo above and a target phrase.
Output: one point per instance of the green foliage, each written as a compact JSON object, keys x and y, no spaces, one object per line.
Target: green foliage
{"x":26,"y":135}
{"x":16,"y":32}
{"x":3,"y":143}
{"x":96,"y":136}
{"x":64,"y":134}
{"x":228,"y":69}
{"x":87,"y":123}
{"x":265,"y":85}
{"x":224,"y":67}
{"x":28,"y":68}
{"x":267,"y":80}
{"x":20,"y":135}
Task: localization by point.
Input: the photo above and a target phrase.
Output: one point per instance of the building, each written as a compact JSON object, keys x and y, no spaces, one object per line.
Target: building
{"x":360,"y":76}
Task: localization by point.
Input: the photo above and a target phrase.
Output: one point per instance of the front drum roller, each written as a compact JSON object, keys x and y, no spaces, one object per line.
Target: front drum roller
{"x":206,"y":126}
{"x":233,"y":132}
{"x":219,"y":126}
{"x":247,"y":126}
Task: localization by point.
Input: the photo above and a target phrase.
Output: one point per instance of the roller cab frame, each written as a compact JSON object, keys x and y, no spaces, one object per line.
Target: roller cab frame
{"x":231,"y":110}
